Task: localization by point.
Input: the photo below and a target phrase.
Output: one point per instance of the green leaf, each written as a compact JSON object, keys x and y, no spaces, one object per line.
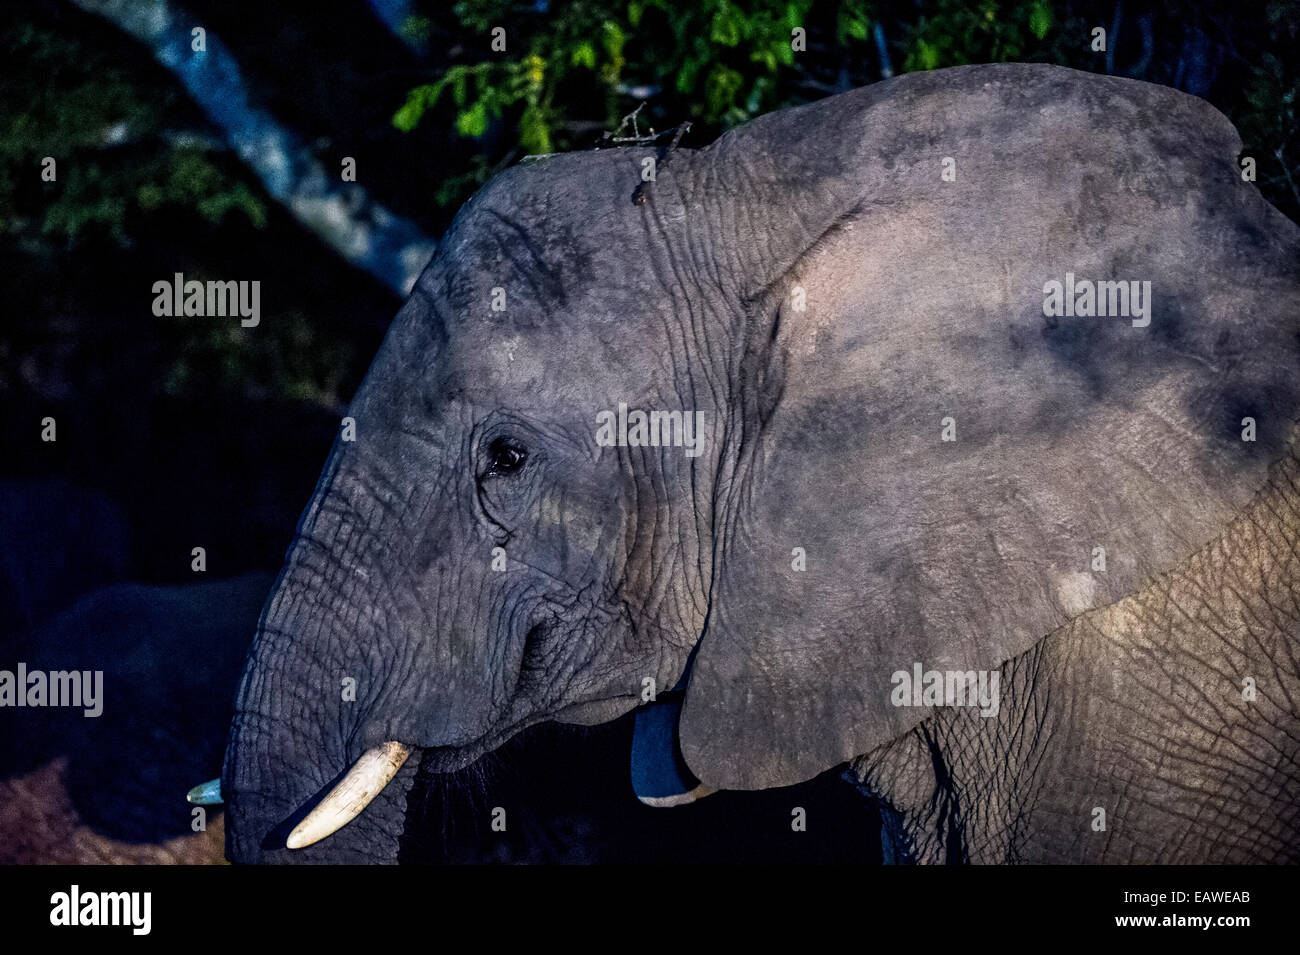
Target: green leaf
{"x":927,"y":54}
{"x":614,"y":38}
{"x":417,"y":101}
{"x":534,"y":131}
{"x":473,"y":122}
{"x":728,"y":26}
{"x":1040,"y":19}
{"x":721,"y":88}
{"x":852,"y":27}
{"x":584,"y":54}
{"x":535,"y":70}
{"x":766,"y":57}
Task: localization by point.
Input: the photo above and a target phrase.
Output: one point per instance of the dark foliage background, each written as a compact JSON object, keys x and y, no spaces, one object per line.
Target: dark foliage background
{"x":177,"y":432}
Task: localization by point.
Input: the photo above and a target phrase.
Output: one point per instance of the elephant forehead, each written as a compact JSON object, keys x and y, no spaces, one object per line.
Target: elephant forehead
{"x":536,"y":245}
{"x":561,"y":239}
{"x":568,"y":363}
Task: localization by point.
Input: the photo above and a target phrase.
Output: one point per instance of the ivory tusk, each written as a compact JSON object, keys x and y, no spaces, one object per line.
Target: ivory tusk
{"x":364,"y":781}
{"x":206,"y":794}
{"x":681,"y":799}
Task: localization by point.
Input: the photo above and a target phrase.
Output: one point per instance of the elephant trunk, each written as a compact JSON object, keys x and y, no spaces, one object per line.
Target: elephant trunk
{"x":305,"y":711}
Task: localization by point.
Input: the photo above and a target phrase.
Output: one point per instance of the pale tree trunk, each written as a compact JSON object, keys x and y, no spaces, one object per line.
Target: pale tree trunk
{"x":392,"y":249}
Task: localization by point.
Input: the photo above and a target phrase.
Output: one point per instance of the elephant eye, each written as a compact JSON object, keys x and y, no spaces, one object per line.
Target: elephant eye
{"x":505,"y":457}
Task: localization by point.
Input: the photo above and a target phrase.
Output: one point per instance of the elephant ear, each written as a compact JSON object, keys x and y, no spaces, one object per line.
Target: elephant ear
{"x":930,"y":469}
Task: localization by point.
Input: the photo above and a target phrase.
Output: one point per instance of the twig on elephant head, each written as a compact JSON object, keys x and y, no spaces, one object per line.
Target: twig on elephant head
{"x":639,"y":194}
{"x":612,"y":136}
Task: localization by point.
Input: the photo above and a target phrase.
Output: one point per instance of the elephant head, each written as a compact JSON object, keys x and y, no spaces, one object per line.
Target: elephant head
{"x":869,"y":438}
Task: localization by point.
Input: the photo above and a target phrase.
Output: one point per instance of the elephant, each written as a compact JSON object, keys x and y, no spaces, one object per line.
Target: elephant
{"x":79,"y":791}
{"x":940,"y":430}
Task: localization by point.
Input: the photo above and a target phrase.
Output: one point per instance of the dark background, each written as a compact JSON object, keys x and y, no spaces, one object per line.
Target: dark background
{"x":183,"y":432}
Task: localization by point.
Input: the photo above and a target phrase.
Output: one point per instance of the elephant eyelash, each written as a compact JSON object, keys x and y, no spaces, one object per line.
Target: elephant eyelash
{"x":504,"y":457}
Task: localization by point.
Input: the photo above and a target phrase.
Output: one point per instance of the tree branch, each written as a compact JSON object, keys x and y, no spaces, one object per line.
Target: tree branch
{"x":367,"y":235}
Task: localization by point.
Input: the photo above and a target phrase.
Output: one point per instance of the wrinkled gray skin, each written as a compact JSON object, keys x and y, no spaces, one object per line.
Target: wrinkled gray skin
{"x":1122,"y":688}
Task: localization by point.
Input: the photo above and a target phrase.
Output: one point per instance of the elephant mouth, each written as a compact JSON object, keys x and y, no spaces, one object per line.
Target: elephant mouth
{"x":376,"y":768}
